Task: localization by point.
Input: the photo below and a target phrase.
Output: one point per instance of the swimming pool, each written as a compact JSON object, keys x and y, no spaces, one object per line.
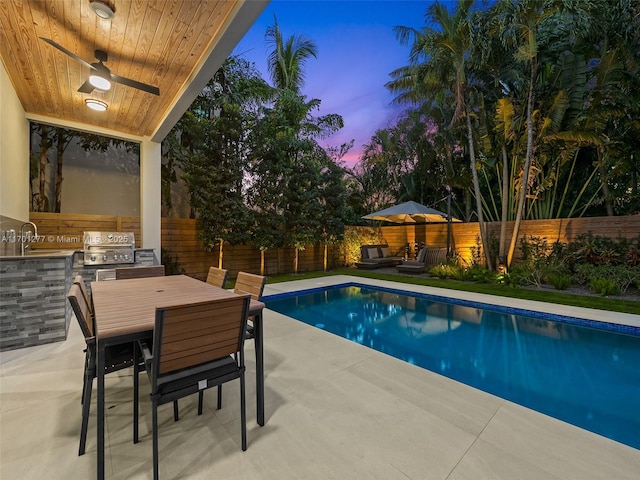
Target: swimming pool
{"x":582,"y":372}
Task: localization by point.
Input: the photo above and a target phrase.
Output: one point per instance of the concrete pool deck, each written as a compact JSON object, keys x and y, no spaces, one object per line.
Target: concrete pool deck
{"x":334,"y":410}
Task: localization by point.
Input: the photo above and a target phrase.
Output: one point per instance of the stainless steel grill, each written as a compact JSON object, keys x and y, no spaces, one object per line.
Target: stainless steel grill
{"x":109,"y":248}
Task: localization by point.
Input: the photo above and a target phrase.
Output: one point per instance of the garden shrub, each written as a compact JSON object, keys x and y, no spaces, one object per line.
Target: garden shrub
{"x":534,"y":249}
{"x":603,"y":286}
{"x":583,"y":273}
{"x":517,"y":275}
{"x":561,"y":281}
{"x":354,"y":238}
{"x":622,"y":276}
{"x":479,"y":273}
{"x":442,"y":271}
{"x":541,"y":261}
{"x":450,"y":271}
{"x":599,"y":250}
{"x":477,"y":256}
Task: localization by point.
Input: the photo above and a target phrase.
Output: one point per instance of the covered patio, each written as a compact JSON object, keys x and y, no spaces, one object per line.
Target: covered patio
{"x":174,"y":46}
{"x":334,"y":409}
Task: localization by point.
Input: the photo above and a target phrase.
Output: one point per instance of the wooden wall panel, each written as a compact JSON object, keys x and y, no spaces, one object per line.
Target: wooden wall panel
{"x":65,"y":231}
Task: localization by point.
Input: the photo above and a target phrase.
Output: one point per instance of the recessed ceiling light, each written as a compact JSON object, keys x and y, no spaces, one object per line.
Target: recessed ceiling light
{"x":95,"y":104}
{"x":102,"y":9}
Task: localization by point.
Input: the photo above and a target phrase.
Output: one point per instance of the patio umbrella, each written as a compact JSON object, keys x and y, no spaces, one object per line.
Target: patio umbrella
{"x":413,"y":212}
{"x":410,"y":212}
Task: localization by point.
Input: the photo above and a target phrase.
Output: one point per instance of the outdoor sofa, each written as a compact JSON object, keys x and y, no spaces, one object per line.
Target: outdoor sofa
{"x":377,"y":256}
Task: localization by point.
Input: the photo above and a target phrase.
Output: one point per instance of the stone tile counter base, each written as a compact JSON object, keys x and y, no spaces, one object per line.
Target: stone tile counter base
{"x":33,"y":300}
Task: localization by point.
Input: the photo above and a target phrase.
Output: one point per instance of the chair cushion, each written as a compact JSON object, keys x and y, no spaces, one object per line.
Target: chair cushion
{"x":421,"y":255}
{"x":188,"y":376}
{"x":386,"y":251}
{"x":415,"y":267}
{"x":373,"y":252}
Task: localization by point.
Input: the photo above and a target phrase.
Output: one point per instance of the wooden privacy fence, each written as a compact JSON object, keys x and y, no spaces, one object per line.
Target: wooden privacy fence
{"x":183,"y":251}
{"x":65,"y":231}
{"x":465,"y":236}
{"x":181,"y":243}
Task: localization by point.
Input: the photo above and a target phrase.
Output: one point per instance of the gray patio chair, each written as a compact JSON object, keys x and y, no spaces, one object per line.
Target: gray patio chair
{"x":195,"y":347}
{"x":246,"y":284}
{"x":117,"y":357}
{"x":78,"y":280}
{"x":414,"y":266}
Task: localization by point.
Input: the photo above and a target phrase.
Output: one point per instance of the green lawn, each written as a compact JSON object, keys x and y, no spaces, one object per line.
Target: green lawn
{"x":601,"y":303}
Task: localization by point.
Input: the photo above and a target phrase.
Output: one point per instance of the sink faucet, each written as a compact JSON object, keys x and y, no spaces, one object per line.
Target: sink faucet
{"x":23,"y":239}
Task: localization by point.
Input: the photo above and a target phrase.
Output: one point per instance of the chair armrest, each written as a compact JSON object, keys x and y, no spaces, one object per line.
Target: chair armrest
{"x":146,"y":351}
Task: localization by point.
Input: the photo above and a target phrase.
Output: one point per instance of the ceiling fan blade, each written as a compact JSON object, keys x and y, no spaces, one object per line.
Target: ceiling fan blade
{"x":71,"y":54}
{"x":86,"y":87}
{"x":135,"y":84}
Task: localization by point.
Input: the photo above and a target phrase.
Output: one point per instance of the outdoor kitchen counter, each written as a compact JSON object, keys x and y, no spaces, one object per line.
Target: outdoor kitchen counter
{"x":40,"y":253}
{"x":33,"y":293}
{"x":33,"y":298}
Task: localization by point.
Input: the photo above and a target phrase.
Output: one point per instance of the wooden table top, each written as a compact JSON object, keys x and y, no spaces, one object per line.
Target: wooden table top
{"x":125,"y":307}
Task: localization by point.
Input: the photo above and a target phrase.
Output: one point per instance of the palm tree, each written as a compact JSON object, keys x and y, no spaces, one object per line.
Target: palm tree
{"x":287,"y":59}
{"x":438,"y":66}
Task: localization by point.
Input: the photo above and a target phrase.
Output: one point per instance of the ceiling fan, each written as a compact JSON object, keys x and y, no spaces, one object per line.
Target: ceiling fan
{"x":101,"y":77}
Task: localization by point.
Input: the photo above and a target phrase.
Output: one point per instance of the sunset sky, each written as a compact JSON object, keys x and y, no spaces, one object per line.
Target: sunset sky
{"x":357,"y":50}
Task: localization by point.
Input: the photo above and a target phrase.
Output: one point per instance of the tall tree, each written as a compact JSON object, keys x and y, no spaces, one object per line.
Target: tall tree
{"x":438,"y":66}
{"x":539,"y":32}
{"x":287,"y":58}
{"x":286,"y":172}
{"x":213,"y":152}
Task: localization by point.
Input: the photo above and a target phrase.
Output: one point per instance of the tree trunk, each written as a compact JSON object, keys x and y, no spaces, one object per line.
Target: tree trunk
{"x":467,"y":204}
{"x":59,"y":154}
{"x":608,"y":203}
{"x":476,"y":189}
{"x":44,"y":148}
{"x":220,"y":254}
{"x":295,"y":262}
{"x":262,"y":255}
{"x":505,"y":206}
{"x":527,"y":164}
{"x":326,"y":248}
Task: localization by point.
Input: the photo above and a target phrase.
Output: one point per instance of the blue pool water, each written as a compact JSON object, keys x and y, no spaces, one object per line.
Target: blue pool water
{"x":563,"y":367}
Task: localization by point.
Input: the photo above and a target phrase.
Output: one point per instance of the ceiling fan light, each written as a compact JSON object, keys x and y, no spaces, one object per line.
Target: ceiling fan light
{"x":99,"y":82}
{"x":95,"y":104}
{"x":102,"y":9}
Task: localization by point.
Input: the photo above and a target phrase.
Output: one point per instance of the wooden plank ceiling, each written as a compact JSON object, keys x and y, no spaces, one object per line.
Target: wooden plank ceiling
{"x":161,"y":43}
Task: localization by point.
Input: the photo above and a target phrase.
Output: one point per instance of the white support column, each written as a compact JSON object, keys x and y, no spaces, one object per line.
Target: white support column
{"x":150,"y":195}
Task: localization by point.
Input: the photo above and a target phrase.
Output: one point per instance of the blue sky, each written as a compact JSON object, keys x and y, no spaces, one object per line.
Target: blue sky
{"x":357,"y":50}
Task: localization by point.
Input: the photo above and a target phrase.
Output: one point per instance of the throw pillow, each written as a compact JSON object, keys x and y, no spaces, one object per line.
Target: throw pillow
{"x":373,"y":253}
{"x":386,"y":251}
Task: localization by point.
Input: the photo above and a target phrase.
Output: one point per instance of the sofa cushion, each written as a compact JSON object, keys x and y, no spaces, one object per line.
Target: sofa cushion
{"x":386,"y":251}
{"x":373,"y":252}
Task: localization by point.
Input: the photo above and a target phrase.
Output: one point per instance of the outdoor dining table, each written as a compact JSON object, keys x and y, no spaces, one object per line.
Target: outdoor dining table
{"x":125,"y":311}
